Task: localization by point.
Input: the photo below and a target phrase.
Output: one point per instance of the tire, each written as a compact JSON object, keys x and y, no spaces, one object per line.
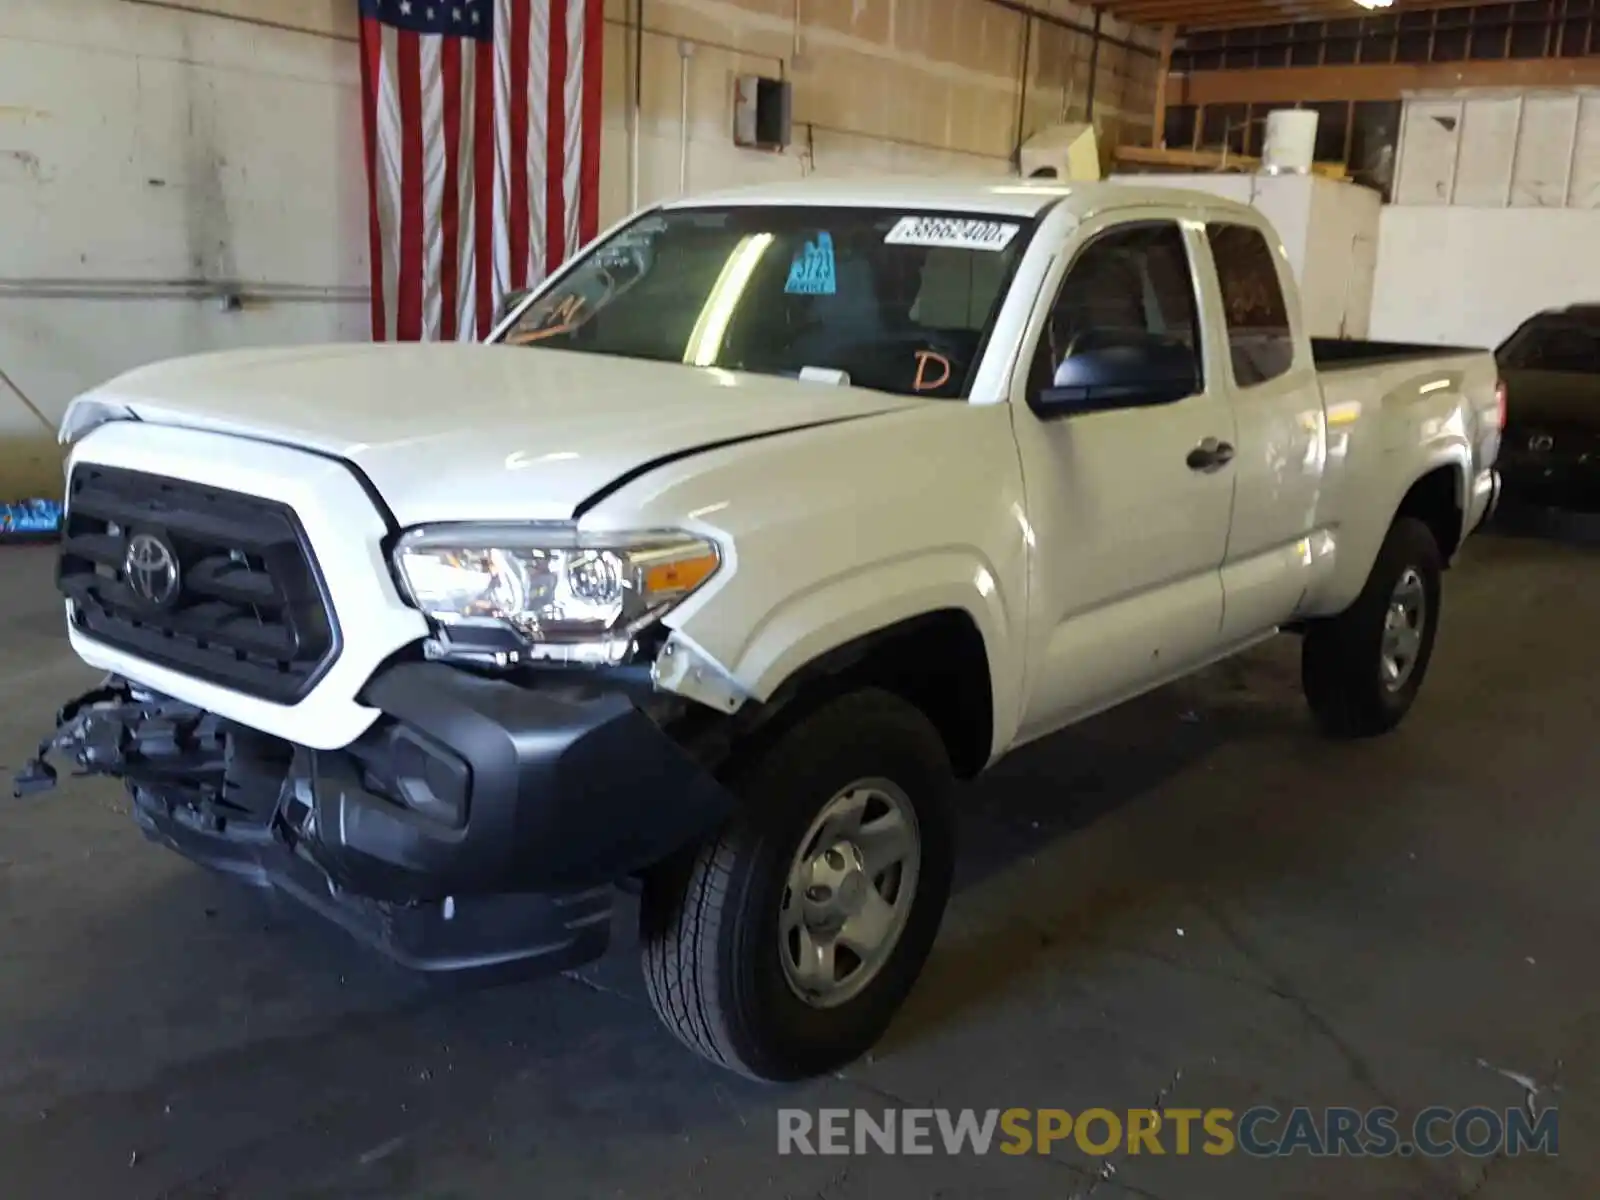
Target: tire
{"x":714,"y":953}
{"x":1342,"y":661}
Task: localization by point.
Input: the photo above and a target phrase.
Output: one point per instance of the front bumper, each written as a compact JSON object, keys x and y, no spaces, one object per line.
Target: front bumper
{"x":478,"y":824}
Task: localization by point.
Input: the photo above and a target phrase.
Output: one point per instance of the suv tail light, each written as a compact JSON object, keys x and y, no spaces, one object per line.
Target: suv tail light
{"x":1500,"y":401}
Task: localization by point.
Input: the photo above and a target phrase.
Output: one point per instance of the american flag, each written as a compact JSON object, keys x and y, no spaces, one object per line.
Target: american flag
{"x":482,"y":122}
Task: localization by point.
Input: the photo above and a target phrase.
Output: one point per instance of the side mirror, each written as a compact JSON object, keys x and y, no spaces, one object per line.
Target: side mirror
{"x":508,"y":302}
{"x":1120,"y":370}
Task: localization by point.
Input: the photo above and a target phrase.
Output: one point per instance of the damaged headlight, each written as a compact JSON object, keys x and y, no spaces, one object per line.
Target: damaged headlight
{"x":548,"y":592}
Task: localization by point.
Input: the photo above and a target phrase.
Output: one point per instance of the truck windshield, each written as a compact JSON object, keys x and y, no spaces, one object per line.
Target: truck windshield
{"x":898,"y":301}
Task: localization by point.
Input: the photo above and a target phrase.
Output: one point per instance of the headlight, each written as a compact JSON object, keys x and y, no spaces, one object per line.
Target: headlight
{"x":562,"y":594}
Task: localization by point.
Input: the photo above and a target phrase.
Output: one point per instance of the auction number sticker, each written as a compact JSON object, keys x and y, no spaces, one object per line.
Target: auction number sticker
{"x":956,"y":233}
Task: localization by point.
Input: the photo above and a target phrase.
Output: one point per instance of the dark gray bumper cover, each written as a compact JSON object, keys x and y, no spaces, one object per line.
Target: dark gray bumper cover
{"x":479,"y":823}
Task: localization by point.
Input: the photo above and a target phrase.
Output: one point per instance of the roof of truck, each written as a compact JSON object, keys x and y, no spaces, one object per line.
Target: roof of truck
{"x":1009,"y":196}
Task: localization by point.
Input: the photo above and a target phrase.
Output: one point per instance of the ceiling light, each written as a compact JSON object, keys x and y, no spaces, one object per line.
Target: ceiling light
{"x":1375,"y":3}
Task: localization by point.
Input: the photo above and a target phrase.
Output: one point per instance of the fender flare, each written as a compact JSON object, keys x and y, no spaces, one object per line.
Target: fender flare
{"x":845,"y":608}
{"x":1357,"y":546}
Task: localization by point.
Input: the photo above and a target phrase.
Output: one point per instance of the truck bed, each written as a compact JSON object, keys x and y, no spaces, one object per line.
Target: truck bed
{"x":1336,"y":354}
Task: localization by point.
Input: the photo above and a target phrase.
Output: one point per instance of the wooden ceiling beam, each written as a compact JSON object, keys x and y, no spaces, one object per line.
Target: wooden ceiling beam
{"x":1214,"y":14}
{"x":1232,"y":18}
{"x":1193,"y":14}
{"x":1158,"y":125}
{"x":1242,"y":19}
{"x":1379,"y":81}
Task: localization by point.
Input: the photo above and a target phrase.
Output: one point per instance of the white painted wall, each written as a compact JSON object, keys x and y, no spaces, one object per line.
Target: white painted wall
{"x":1496,"y":214}
{"x":896,"y":86}
{"x":1469,"y":276}
{"x":711,"y":158}
{"x":141,"y":146}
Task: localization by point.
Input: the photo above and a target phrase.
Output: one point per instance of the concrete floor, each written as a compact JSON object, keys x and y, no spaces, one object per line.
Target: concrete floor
{"x":1191,"y":898}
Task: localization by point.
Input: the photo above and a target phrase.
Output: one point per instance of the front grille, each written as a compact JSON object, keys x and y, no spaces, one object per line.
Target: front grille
{"x":248,"y":611}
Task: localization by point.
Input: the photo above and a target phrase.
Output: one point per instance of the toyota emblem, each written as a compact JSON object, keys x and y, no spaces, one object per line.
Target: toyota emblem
{"x":151,"y":569}
{"x":1541,"y":441}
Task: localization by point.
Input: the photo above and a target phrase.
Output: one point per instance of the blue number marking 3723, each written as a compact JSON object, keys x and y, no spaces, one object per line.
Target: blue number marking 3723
{"x":811,"y":273}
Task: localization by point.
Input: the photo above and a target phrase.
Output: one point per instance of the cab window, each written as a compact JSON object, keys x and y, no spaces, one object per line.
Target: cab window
{"x":1135,"y":279}
{"x":1260,"y":343}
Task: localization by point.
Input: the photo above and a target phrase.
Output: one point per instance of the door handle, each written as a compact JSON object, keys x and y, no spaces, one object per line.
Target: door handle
{"x":1210,"y":455}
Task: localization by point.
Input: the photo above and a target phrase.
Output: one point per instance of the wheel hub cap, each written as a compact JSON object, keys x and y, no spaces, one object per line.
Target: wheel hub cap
{"x":849,"y":892}
{"x":1403,"y":626}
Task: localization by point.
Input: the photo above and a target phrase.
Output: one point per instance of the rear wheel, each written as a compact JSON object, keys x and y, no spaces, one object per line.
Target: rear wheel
{"x":1362,"y":669}
{"x":783,"y":949}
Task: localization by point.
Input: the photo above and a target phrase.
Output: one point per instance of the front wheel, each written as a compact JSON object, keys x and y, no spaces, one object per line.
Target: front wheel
{"x":1362,"y":669}
{"x":785,"y":947}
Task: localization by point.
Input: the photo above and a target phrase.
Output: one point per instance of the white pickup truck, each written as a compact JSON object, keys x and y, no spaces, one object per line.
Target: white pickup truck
{"x":759,"y":525}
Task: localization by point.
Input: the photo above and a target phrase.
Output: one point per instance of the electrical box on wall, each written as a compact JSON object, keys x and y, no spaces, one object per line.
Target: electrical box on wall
{"x":761,"y":112}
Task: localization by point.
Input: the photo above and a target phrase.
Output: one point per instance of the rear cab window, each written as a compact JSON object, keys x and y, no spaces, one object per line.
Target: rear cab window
{"x":1260,"y":342}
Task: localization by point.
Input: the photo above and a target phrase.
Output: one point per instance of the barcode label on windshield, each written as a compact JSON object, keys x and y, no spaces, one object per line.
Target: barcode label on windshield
{"x":956,"y":233}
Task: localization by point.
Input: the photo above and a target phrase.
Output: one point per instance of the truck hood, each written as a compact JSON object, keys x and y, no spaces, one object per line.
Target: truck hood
{"x":473,"y":432}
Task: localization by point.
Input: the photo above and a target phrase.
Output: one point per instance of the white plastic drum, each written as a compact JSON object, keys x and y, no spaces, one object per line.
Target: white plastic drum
{"x":1291,"y":141}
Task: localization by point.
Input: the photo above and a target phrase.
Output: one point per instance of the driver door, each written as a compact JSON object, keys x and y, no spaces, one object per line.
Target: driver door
{"x":1128,"y":526}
